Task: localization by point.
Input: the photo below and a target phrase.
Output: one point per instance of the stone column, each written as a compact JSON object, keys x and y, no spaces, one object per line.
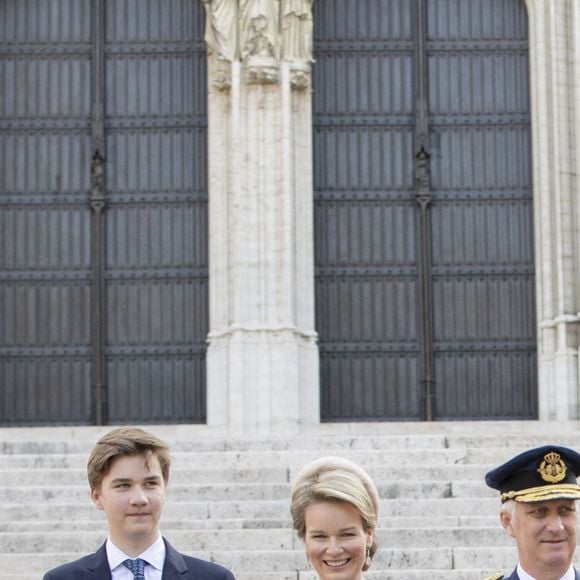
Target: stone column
{"x":555,"y":107}
{"x":575,"y":183}
{"x":262,"y":360}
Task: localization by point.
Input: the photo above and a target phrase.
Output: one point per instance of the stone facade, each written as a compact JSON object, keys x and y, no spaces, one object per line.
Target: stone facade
{"x":554,"y":75}
{"x":262,"y":356}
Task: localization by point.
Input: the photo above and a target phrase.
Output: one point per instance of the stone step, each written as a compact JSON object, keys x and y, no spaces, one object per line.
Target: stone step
{"x":34,"y":447}
{"x":203,"y":540}
{"x":389,"y":522}
{"x":78,"y":476}
{"x":292,"y":460}
{"x":229,"y":497}
{"x":99,"y":525}
{"x":268,"y":509}
{"x":176,"y":493}
{"x":252,"y":539}
{"x":410,"y":561}
{"x":183,"y":475}
{"x":246,"y":491}
{"x":502,"y":434}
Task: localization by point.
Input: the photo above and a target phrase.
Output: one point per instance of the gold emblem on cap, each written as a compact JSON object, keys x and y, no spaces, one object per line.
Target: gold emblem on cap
{"x":552,"y":469}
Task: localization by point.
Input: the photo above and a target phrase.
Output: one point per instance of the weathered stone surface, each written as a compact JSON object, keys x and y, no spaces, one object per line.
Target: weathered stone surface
{"x":228,"y":498}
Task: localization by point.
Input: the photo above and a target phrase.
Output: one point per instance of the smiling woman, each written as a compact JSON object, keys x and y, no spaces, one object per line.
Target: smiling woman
{"x":335,"y":508}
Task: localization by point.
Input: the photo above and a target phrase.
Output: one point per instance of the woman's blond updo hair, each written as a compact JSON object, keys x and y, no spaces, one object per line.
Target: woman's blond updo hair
{"x":334,"y":479}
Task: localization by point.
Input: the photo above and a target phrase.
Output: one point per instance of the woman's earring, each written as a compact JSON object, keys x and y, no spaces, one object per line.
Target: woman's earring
{"x":368,"y":558}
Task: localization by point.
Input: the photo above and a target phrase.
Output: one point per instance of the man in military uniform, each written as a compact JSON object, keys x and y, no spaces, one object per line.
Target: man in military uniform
{"x":539,"y":490}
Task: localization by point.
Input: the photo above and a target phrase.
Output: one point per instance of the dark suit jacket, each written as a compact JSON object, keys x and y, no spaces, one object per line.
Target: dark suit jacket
{"x":176,"y":567}
{"x":515,"y":576}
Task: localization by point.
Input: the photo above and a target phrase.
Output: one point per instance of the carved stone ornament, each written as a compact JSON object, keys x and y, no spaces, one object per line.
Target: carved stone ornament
{"x":98,"y":176}
{"x":300,"y":76}
{"x":262,"y":71}
{"x":259,"y":33}
{"x":422,"y":178}
{"x":221,"y":28}
{"x":259,"y":28}
{"x":220,"y":73}
{"x":297,"y":27}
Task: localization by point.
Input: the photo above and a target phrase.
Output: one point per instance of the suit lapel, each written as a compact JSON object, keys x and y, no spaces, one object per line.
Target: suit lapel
{"x":98,"y":565}
{"x":174,"y":565}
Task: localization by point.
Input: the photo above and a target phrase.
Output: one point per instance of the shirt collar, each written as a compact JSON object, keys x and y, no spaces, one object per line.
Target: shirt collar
{"x":154,"y":554}
{"x":523,"y":575}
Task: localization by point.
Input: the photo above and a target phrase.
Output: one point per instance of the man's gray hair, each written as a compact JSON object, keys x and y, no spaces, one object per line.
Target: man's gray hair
{"x":509,"y":507}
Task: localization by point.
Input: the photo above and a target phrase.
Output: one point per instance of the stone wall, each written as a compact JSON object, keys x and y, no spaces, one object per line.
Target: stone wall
{"x":262,"y":355}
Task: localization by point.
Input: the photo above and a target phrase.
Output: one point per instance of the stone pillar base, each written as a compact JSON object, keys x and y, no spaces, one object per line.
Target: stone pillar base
{"x":262,"y":380}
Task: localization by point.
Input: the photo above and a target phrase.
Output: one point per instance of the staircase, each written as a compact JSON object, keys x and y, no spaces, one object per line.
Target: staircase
{"x":228,"y":498}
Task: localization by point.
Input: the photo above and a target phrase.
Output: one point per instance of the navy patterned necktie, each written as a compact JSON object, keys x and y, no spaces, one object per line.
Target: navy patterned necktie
{"x":137,"y":567}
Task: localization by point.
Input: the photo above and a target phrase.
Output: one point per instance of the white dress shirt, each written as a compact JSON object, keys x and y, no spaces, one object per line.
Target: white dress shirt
{"x":154,"y":555}
{"x":525,"y":576}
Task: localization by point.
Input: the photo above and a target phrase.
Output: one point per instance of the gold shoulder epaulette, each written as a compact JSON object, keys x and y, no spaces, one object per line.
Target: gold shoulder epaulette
{"x":495,"y":577}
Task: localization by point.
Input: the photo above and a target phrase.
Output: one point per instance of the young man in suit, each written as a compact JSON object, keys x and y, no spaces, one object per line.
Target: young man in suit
{"x":128,"y":471}
{"x":539,"y":490}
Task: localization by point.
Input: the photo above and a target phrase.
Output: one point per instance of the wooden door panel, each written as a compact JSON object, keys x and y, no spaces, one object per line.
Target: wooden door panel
{"x":152,"y":286}
{"x":364,"y":210}
{"x":482,"y":215}
{"x":157,"y":211}
{"x":475,"y":126}
{"x":44,"y":219}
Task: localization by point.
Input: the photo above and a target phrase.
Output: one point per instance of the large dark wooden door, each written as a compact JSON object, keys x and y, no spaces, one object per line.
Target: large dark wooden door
{"x":103,"y":196}
{"x":423,"y":210}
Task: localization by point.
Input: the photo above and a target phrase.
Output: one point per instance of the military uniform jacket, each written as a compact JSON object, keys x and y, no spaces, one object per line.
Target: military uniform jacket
{"x":177,"y":567}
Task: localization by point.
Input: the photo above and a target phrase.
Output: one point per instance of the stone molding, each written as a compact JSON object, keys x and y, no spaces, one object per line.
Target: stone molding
{"x":260,"y":34}
{"x":554,"y":73}
{"x":262,"y":358}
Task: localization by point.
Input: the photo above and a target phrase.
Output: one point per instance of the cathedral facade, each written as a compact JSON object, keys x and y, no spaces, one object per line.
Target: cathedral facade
{"x":264,"y":214}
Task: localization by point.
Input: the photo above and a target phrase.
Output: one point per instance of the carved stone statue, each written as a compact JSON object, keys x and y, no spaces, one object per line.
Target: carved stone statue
{"x":221,"y":30}
{"x":259,"y":28}
{"x":259,"y":33}
{"x":297,"y":30}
